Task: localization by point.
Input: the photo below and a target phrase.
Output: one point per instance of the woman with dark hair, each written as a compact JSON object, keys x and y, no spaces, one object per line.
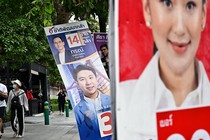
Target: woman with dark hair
{"x":16,"y":102}
{"x":61,"y":100}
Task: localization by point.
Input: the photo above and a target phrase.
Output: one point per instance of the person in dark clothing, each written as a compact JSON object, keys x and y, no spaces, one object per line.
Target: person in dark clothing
{"x":17,"y":102}
{"x":3,"y":96}
{"x":61,"y":100}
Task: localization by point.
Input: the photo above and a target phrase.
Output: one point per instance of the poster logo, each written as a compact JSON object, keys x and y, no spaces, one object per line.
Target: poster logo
{"x":51,"y":30}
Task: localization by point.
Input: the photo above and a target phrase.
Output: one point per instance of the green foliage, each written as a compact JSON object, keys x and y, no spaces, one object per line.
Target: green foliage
{"x":54,"y":107}
{"x":22,"y":39}
{"x":7,"y":116}
{"x":54,"y":104}
{"x":53,"y":101}
{"x":44,"y":9}
{"x":55,"y":11}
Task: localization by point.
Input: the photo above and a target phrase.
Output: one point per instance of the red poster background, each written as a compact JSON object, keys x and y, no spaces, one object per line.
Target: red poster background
{"x":184,"y":122}
{"x":136,"y":42}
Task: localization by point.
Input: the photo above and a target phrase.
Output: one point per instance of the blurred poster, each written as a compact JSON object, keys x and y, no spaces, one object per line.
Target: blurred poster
{"x":101,"y":42}
{"x":136,"y":105}
{"x":100,"y":39}
{"x":180,"y":124}
{"x":84,"y":77}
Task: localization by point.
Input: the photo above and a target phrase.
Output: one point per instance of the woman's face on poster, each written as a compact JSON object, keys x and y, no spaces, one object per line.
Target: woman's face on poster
{"x":87,"y":81}
{"x":176,"y":26}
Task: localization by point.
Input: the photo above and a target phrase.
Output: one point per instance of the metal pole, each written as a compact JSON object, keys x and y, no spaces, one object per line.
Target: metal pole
{"x":112,"y":47}
{"x":46,"y":113}
{"x":67,"y":108}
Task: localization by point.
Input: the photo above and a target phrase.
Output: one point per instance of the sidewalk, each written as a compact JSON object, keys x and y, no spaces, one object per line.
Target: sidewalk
{"x":60,"y":128}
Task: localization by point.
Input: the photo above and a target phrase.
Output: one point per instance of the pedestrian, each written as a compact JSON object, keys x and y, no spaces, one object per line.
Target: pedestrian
{"x":3,"y":95}
{"x":16,"y":102}
{"x":61,"y":100}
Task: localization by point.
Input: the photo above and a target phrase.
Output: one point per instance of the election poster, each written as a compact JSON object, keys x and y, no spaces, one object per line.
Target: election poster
{"x":181,"y":124}
{"x":100,"y":40}
{"x":156,"y":45}
{"x":84,"y":77}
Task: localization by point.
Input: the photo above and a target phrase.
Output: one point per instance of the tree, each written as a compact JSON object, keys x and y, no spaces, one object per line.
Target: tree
{"x":55,"y":12}
{"x":22,"y":40}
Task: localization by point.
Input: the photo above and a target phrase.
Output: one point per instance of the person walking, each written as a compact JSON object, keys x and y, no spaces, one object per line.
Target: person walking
{"x":17,"y":100}
{"x":61,"y":100}
{"x":3,"y":95}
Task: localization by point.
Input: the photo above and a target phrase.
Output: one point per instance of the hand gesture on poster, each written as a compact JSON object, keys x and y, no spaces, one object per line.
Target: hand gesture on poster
{"x":89,"y":115}
{"x":103,"y":85}
{"x":89,"y":118}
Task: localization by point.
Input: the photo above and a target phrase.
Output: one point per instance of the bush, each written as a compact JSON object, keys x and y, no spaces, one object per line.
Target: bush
{"x":7,"y":116}
{"x":54,"y":107}
{"x":54,"y":104}
{"x":53,"y":101}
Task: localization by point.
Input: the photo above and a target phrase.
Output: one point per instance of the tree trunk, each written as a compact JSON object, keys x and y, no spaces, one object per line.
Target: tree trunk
{"x":62,"y":16}
{"x":102,"y":24}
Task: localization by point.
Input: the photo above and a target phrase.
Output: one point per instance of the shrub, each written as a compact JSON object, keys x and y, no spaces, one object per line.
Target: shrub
{"x":7,"y":116}
{"x":54,"y":104}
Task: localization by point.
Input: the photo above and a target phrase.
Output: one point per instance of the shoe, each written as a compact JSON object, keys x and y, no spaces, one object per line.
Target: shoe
{"x":0,"y":136}
{"x":19,"y":136}
{"x":15,"y":134}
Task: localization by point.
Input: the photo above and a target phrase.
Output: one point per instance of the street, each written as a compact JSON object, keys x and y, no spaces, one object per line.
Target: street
{"x":60,"y":128}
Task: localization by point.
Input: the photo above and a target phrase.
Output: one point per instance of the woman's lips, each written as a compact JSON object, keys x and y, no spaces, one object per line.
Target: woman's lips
{"x":179,"y":48}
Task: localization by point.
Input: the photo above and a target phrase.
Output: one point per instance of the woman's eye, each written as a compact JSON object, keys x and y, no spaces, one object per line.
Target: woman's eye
{"x":190,"y":5}
{"x":167,"y":3}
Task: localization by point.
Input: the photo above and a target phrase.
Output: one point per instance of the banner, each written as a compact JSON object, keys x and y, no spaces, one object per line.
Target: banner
{"x":142,"y":84}
{"x":184,"y":124}
{"x":100,"y":39}
{"x":101,"y":42}
{"x":84,"y":77}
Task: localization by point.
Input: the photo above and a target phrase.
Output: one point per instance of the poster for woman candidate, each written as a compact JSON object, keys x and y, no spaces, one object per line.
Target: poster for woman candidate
{"x":162,"y":64}
{"x":84,"y":77}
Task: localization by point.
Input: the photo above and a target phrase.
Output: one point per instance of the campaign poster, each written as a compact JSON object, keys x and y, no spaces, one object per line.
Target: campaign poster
{"x":101,"y":42}
{"x":84,"y":77}
{"x":181,"y":124}
{"x":140,"y":89}
{"x":100,"y":39}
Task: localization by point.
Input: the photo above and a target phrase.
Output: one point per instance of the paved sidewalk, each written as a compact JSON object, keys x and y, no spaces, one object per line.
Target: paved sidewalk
{"x":60,"y":128}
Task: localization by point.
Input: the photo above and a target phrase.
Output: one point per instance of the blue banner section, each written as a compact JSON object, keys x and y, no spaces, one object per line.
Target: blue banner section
{"x":84,"y":77}
{"x":77,"y":45}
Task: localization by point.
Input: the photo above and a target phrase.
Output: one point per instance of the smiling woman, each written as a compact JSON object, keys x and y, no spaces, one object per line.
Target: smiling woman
{"x":176,"y":28}
{"x":174,"y":77}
